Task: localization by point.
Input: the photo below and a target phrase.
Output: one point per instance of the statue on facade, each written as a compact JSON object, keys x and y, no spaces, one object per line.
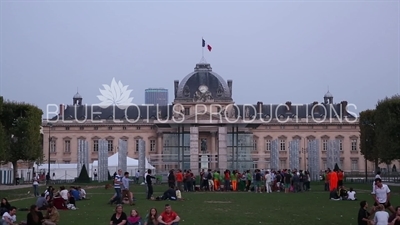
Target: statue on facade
{"x":231,"y":111}
{"x":203,"y":95}
{"x":222,"y":112}
{"x":220,"y":90}
{"x":159,"y":114}
{"x":247,"y":113}
{"x":186,"y":91}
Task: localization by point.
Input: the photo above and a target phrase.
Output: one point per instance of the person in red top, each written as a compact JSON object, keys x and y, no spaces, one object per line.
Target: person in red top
{"x":340,"y":177}
{"x":168,"y":217}
{"x":179,"y":179}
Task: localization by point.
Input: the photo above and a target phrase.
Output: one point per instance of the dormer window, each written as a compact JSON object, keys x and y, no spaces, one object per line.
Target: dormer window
{"x":187,"y":111}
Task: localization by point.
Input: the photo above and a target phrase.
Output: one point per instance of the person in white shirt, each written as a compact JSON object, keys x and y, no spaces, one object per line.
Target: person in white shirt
{"x":381,"y":216}
{"x":351,"y":195}
{"x":268,"y":180}
{"x":10,"y":218}
{"x":381,"y":195}
{"x":35,"y":184}
{"x":82,"y":193}
{"x":64,"y":193}
{"x":178,"y":194}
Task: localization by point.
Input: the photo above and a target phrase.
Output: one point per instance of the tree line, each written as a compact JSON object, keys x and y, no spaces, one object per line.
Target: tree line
{"x":380,"y":132}
{"x":20,"y":137}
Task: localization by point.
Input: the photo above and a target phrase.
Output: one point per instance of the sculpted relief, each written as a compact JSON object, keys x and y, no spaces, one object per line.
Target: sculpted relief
{"x":203,"y":95}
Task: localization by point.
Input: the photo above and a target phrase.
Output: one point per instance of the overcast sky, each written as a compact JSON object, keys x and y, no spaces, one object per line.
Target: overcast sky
{"x":274,"y":51}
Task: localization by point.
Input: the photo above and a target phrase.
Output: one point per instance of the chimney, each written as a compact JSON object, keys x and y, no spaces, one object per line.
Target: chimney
{"x":176,"y":84}
{"x":230,"y":86}
{"x":61,"y":111}
{"x":289,"y":106}
{"x":343,"y":106}
{"x":259,"y":108}
{"x":315,"y":108}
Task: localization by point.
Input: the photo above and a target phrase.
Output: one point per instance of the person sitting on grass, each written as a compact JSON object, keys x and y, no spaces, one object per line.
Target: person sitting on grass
{"x":343,"y":193}
{"x":34,"y":217}
{"x":363,"y":214}
{"x":119,"y":217}
{"x":394,"y":219}
{"x":5,"y":206}
{"x":168,"y":217}
{"x":82,"y":193}
{"x":10,"y":217}
{"x":52,"y":216}
{"x":381,"y":216}
{"x":169,"y":194}
{"x":333,"y":195}
{"x":134,"y":218}
{"x":41,"y":202}
{"x":351,"y":195}
{"x":151,"y":218}
{"x":178,"y":194}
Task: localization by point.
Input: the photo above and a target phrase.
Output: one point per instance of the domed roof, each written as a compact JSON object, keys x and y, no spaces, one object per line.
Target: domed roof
{"x":328,"y":95}
{"x":203,"y":85}
{"x":77,"y":95}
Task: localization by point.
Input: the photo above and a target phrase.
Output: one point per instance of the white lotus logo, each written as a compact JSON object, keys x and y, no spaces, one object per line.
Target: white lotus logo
{"x":115,"y":94}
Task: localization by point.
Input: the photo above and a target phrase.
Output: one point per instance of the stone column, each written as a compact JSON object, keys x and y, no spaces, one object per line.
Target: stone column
{"x":194,"y":149}
{"x":222,"y":151}
{"x":159,"y":150}
{"x":213,"y":150}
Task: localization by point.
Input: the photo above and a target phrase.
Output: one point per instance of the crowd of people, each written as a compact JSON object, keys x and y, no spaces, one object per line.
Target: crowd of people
{"x":167,"y":217}
{"x":258,"y":181}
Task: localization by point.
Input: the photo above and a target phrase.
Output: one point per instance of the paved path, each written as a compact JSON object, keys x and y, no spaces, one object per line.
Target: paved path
{"x":13,"y":187}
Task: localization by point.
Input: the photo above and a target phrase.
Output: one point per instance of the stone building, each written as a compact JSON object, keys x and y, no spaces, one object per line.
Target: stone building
{"x":204,"y":128}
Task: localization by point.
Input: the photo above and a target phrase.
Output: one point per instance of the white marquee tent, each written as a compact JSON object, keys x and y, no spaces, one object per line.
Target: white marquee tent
{"x":69,"y":171}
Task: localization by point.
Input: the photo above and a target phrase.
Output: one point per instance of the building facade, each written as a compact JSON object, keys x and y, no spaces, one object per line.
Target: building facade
{"x":156,"y":96}
{"x":204,"y":128}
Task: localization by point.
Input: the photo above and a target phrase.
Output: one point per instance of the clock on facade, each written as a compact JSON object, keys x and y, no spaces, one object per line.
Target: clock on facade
{"x":203,"y":89}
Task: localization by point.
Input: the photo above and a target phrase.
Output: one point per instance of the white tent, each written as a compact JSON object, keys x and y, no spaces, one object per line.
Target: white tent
{"x":70,"y":171}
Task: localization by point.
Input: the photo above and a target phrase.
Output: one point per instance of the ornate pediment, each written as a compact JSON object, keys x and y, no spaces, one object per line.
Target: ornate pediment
{"x":152,"y":138}
{"x":339,"y":137}
{"x":138,"y":137}
{"x":310,"y":137}
{"x":67,"y":138}
{"x":353,"y":137}
{"x":296,"y":137}
{"x":269,"y":137}
{"x":282,"y":137}
{"x":325,"y":137}
{"x":255,"y":137}
{"x":96,"y":138}
{"x":124,"y":138}
{"x":110,"y":138}
{"x":81,"y":138}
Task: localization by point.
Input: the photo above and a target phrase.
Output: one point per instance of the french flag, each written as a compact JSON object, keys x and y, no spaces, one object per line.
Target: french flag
{"x":203,"y":44}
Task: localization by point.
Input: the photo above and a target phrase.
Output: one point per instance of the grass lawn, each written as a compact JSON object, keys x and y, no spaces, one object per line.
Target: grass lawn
{"x":311,"y":208}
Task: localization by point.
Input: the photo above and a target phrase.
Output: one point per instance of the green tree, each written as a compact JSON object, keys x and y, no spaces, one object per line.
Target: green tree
{"x":387,"y":119}
{"x":368,"y":145}
{"x":2,"y":135}
{"x":21,"y":123}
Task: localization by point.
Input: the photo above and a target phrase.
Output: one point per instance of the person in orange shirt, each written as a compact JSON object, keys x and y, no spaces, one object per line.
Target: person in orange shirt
{"x":179,"y":179}
{"x":333,"y":180}
{"x":340,"y":176}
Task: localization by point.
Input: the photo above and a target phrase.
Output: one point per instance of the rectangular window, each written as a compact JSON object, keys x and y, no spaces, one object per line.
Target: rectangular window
{"x":53,"y":146}
{"x":340,"y":145}
{"x":268,"y":145}
{"x":124,"y":128}
{"x":95,"y":145}
{"x":283,"y":145}
{"x":152,"y":145}
{"x":354,"y":165}
{"x":354,"y":145}
{"x":187,"y":111}
{"x":203,"y":144}
{"x":138,"y":128}
{"x":95,"y":128}
{"x":67,"y":162}
{"x":255,"y":165}
{"x":67,"y":146}
{"x":66,"y":128}
{"x":282,"y":164}
{"x":137,"y":145}
{"x":110,"y":128}
{"x":324,"y":145}
{"x":52,"y":162}
{"x":254,"y":144}
{"x":110,"y":145}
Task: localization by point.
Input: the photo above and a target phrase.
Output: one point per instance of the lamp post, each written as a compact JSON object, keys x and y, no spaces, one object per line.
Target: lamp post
{"x":48,"y":157}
